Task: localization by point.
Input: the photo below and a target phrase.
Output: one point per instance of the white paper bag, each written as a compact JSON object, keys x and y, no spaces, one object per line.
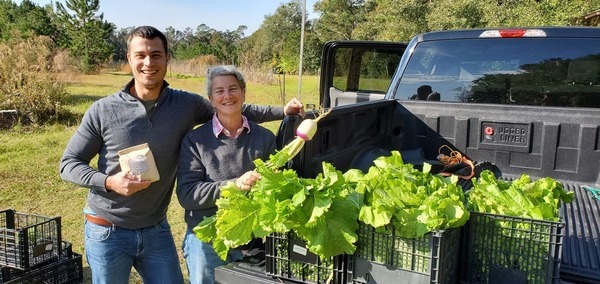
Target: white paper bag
{"x":139,"y":161}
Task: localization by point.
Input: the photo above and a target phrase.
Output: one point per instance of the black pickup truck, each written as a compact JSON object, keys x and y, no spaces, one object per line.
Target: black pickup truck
{"x":515,"y":101}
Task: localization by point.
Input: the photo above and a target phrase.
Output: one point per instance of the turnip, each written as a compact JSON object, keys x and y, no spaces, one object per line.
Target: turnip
{"x":305,"y":132}
{"x":307,"y":129}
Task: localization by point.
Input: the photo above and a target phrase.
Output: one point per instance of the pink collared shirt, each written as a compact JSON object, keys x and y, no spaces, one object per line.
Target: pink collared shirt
{"x":218,"y":127}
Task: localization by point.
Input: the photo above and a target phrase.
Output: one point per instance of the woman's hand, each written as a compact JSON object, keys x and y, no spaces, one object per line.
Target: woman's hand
{"x":247,"y":180}
{"x":294,"y":106}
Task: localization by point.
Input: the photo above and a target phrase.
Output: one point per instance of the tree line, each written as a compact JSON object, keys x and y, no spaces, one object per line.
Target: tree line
{"x":77,"y":27}
{"x":37,"y":43}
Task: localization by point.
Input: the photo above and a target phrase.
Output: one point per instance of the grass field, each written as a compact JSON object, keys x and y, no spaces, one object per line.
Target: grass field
{"x":29,"y":156}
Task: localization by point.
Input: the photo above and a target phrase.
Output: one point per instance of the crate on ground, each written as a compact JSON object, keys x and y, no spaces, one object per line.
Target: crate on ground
{"x":67,"y":269}
{"x":288,"y":259}
{"x":27,"y":240}
{"x":505,"y":249}
{"x":11,"y":273}
{"x":64,"y":271}
{"x":383,"y":257}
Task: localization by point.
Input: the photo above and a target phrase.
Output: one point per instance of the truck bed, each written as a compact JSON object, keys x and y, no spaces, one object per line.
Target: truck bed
{"x":539,"y":141}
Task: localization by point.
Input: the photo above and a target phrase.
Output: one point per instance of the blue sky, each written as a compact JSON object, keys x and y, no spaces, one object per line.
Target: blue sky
{"x":220,"y":15}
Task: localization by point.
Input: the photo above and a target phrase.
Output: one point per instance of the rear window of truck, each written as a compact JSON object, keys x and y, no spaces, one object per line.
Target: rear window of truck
{"x":521,"y":71}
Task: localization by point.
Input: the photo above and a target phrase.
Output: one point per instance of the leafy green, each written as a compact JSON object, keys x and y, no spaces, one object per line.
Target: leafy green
{"x":322,"y":211}
{"x":415,"y":202}
{"x":237,"y":218}
{"x":522,"y":197}
{"x":518,"y":243}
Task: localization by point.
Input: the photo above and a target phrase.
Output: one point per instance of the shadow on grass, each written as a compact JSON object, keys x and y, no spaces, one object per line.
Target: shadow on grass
{"x":97,"y":85}
{"x":117,"y":73}
{"x":20,"y":120}
{"x":76,"y":99}
{"x":66,"y":117}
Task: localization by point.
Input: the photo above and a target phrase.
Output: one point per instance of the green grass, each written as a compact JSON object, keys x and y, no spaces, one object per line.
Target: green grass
{"x":29,"y":156}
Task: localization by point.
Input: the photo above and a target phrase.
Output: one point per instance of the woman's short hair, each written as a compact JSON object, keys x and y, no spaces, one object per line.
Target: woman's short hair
{"x":223,"y":70}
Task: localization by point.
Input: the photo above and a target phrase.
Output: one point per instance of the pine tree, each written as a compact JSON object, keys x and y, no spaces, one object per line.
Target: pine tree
{"x":89,"y":34}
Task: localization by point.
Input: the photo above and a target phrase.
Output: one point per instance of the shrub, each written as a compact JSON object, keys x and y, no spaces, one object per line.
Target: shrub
{"x":117,"y":66}
{"x":194,"y":67}
{"x":28,"y":83}
{"x":125,"y":67}
{"x":197,"y":67}
{"x":64,"y":62}
{"x":259,"y":75}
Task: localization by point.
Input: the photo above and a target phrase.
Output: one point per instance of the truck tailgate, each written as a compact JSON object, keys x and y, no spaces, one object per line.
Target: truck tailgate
{"x":581,"y":245}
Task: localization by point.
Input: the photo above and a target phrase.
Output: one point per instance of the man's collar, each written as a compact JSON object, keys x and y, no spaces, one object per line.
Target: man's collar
{"x":131,"y":84}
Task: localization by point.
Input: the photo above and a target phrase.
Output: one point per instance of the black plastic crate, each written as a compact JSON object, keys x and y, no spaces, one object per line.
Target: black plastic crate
{"x":28,"y":240}
{"x":287,"y":258}
{"x":505,"y":249}
{"x":66,"y":269}
{"x":63,"y":271}
{"x":10,"y":273}
{"x":383,"y":257}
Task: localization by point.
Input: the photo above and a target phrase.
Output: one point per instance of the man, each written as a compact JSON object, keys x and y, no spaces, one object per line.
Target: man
{"x":125,"y":217}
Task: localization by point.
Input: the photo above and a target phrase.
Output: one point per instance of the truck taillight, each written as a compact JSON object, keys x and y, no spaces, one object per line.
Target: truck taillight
{"x":508,"y":33}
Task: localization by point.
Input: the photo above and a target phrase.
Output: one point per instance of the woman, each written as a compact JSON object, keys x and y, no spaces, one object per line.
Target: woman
{"x":219,"y":151}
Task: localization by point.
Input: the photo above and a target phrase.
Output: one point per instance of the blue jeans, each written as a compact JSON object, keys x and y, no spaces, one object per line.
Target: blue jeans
{"x":111,"y":252}
{"x":201,"y":259}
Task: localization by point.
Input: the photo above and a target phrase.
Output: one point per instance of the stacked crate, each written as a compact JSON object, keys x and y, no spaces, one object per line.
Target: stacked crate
{"x":32,"y":251}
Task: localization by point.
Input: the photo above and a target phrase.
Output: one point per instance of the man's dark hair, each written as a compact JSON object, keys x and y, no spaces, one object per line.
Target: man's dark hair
{"x":148,"y":32}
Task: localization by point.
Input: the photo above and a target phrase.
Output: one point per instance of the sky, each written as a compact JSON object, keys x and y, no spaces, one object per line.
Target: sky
{"x":221,"y":15}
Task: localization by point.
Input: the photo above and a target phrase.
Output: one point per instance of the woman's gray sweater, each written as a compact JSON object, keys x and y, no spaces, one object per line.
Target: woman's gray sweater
{"x":207,"y":163}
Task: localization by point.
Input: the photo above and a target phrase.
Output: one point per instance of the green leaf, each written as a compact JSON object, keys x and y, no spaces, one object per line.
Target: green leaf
{"x":376,"y":218}
{"x":206,"y":230}
{"x":320,"y":205}
{"x":407,"y":223}
{"x":415,"y":202}
{"x":236,"y":220}
{"x":523,"y":197}
{"x":334,"y":232}
{"x":221,"y":249}
{"x":353,"y":176}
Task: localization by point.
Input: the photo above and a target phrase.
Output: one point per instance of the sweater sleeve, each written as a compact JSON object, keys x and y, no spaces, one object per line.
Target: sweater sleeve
{"x":82,"y":147}
{"x":260,"y":114}
{"x":193,"y":190}
{"x":256,"y":113}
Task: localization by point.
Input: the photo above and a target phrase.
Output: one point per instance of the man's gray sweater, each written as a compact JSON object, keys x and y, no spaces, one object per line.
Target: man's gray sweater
{"x":120,"y":121}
